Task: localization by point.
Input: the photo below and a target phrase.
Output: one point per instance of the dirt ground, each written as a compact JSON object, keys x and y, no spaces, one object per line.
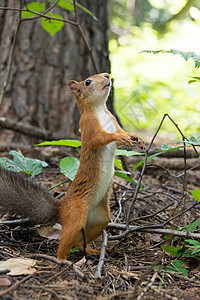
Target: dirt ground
{"x":128,"y":270}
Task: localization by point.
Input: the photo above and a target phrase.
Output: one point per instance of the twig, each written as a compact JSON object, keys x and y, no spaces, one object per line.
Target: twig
{"x":61,"y":263}
{"x":183,"y":136}
{"x":84,"y":37}
{"x":11,"y":57}
{"x":149,"y":229}
{"x":77,"y":24}
{"x":102,"y":256}
{"x":119,"y":202}
{"x":16,"y":284}
{"x":44,"y":12}
{"x":144,"y":166}
{"x":14,"y":222}
{"x":39,"y":14}
{"x":141,"y":174}
{"x":154,"y":214}
{"x":148,"y":286}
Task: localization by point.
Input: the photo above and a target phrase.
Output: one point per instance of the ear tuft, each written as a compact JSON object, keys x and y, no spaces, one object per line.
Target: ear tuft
{"x":72,"y":84}
{"x":74,"y":87}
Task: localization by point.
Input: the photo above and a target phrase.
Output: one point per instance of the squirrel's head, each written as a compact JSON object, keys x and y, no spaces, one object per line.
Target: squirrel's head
{"x":91,"y":92}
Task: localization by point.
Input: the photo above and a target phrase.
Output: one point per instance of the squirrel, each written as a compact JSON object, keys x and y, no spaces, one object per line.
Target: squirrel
{"x":84,"y":210}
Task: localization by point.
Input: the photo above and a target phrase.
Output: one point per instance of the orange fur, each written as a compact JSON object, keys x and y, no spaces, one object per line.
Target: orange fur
{"x":86,"y":204}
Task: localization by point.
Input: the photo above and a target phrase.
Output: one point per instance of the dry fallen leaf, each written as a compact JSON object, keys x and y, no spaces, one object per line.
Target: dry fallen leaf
{"x":50,"y":232}
{"x":18,"y":266}
{"x":5,"y":282}
{"x":81,"y":262}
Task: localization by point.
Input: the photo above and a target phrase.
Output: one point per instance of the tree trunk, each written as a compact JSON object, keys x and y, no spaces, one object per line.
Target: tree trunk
{"x":37,"y":92}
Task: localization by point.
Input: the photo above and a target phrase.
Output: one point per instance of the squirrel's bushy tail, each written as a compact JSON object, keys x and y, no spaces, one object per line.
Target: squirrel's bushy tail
{"x":21,"y":197}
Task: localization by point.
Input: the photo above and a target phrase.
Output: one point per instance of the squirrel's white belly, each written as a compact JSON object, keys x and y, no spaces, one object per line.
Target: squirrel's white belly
{"x":107,"y":157}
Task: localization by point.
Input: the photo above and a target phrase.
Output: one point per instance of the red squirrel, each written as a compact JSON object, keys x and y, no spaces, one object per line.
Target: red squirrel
{"x":86,"y":204}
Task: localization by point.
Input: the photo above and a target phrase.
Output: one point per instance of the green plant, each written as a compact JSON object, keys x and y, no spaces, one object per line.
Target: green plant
{"x":188,"y":251}
{"x":194,"y":246}
{"x":22,"y":164}
{"x":69,"y":165}
{"x":52,"y":26}
{"x":185,"y":55}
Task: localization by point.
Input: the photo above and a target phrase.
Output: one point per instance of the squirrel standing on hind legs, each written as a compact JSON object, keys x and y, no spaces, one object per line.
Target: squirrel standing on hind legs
{"x":86,"y":204}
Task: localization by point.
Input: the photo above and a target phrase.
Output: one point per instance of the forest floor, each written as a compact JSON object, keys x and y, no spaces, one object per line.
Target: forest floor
{"x":135,"y":266}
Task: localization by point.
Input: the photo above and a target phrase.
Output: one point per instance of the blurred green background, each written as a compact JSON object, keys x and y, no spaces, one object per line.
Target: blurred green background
{"x":149,"y":85}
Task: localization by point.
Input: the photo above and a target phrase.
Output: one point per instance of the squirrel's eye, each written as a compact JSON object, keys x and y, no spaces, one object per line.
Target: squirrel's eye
{"x":88,"y":82}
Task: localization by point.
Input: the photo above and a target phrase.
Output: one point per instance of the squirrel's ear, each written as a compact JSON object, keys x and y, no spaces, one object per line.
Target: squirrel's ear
{"x":74,"y":87}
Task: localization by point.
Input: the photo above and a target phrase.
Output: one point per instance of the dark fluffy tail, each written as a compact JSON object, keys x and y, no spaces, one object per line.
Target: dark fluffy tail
{"x":21,"y":197}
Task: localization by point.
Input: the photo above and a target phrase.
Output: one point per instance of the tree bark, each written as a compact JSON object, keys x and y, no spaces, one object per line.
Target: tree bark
{"x":37,"y":92}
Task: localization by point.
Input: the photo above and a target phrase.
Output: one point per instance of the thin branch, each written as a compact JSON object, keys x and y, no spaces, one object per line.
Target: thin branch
{"x":141,"y":174}
{"x":145,"y":163}
{"x":154,"y":214}
{"x":183,"y":136}
{"x":14,"y":222}
{"x":84,"y":37}
{"x":152,"y":230}
{"x":16,"y":284}
{"x":149,"y":285}
{"x":102,"y":256}
{"x":119,"y":202}
{"x":59,"y":262}
{"x":77,"y":24}
{"x":38,"y":14}
{"x":44,"y":12}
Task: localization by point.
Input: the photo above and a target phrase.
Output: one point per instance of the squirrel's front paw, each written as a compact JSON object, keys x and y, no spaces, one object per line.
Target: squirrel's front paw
{"x":137,"y":139}
{"x":125,"y":140}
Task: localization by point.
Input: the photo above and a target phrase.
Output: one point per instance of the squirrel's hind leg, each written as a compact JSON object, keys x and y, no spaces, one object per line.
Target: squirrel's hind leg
{"x":71,"y":234}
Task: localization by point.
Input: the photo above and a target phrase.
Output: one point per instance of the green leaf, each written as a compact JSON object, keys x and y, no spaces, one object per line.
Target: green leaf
{"x":127,"y":153}
{"x":177,"y":267}
{"x":8,"y":164}
{"x":34,"y":166}
{"x":34,"y":6}
{"x":196,"y":194}
{"x":196,"y":251}
{"x":171,"y":250}
{"x":185,"y":55}
{"x":84,"y":9}
{"x":52,"y":26}
{"x":192,"y":81}
{"x":65,"y":4}
{"x":22,"y":164}
{"x":118,"y":164}
{"x":163,"y":146}
{"x":194,"y":243}
{"x":124,"y":175}
{"x":69,"y":143}
{"x":69,"y":167}
{"x":195,"y":79}
{"x":195,"y":141}
{"x":19,"y":159}
{"x":194,"y":225}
